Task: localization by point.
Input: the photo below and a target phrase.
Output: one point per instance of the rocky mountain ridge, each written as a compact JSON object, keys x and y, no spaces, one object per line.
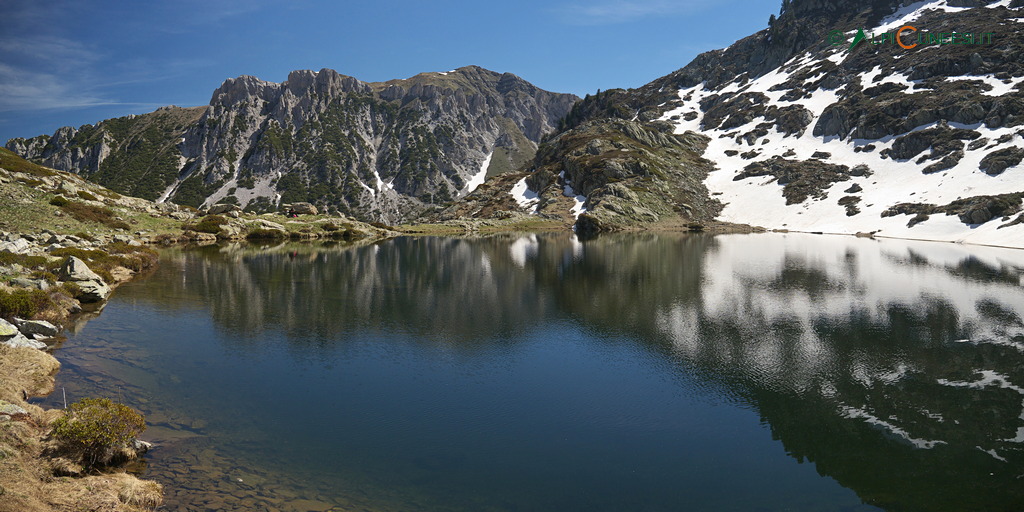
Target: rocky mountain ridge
{"x":805,"y":133}
{"x":378,"y":151}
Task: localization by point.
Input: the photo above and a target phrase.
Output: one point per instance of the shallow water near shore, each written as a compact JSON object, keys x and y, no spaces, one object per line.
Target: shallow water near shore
{"x":538,"y":372}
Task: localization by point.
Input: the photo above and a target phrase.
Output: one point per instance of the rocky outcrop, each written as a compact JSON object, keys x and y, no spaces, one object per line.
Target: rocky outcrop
{"x":377,"y":151}
{"x":12,"y":337}
{"x":93,"y":289}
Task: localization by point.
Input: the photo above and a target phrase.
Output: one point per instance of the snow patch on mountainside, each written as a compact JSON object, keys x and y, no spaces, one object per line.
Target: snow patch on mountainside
{"x":525,"y":197}
{"x":759,"y":200}
{"x":578,"y":199}
{"x":478,"y":179}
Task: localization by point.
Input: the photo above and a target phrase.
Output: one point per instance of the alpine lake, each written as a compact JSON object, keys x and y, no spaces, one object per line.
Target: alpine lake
{"x":529,"y":372}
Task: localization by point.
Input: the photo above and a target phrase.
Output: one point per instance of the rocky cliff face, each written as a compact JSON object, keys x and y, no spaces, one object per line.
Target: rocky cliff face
{"x":380,"y":151}
{"x":807,"y":133}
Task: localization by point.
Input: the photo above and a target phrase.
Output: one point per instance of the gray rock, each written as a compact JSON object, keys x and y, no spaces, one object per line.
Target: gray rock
{"x":93,"y":290}
{"x":41,"y":327}
{"x":68,"y":188}
{"x":140,"y":446}
{"x":7,"y":330}
{"x":266,"y":224}
{"x":860,"y":170}
{"x":302,"y":208}
{"x":220,"y":209}
{"x":19,"y":246}
{"x":38,"y":284}
{"x":75,"y":269}
{"x":11,"y":409}
{"x":20,"y":341}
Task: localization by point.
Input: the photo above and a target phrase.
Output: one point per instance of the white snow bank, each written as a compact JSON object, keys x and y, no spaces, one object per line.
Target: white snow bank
{"x":478,"y":179}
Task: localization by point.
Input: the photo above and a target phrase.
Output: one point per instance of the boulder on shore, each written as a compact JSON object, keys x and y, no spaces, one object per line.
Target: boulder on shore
{"x":92,"y":286}
{"x":40,"y":327}
{"x":12,"y":337}
{"x":75,"y":269}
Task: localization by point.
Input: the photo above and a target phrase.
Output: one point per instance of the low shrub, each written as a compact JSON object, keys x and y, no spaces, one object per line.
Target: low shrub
{"x":208,"y":224}
{"x":31,"y":262}
{"x":23,"y":303}
{"x":30,"y":182}
{"x":59,"y":201}
{"x":329,"y":227}
{"x":97,"y":431}
{"x":88,"y":213}
{"x":50,"y":277}
{"x":85,"y":194}
{"x":265,"y":234}
{"x":133,"y":257}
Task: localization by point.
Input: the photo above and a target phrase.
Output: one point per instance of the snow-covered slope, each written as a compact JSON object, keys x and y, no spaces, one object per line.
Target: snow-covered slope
{"x":786,"y":118}
{"x":793,"y":129}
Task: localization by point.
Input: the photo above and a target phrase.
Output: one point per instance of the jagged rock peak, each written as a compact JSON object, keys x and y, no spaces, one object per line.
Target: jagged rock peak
{"x":325,"y":82}
{"x":235,"y":90}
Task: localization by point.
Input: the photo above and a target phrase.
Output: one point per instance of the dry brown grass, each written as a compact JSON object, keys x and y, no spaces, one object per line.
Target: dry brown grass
{"x":25,"y":369}
{"x":119,"y":492}
{"x":27,"y":478}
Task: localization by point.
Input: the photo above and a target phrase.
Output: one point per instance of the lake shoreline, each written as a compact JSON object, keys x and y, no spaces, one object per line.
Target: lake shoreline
{"x":38,"y":481}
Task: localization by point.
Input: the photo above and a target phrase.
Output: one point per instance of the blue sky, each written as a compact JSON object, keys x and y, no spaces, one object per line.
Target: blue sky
{"x":72,"y":63}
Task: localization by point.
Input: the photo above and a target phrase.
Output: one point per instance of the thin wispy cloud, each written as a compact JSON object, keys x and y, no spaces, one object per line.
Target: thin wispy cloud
{"x":624,"y":11}
{"x":45,"y":67}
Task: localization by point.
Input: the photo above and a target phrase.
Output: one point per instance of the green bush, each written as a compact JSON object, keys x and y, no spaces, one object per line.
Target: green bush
{"x":265,"y":234}
{"x":59,"y":201}
{"x":209,"y":224}
{"x":84,"y":194}
{"x":96,"y":429}
{"x":7,"y":258}
{"x":50,"y":277}
{"x":23,"y":303}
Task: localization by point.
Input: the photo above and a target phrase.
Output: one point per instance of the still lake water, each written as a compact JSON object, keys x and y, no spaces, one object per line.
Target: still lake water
{"x":539,"y":373}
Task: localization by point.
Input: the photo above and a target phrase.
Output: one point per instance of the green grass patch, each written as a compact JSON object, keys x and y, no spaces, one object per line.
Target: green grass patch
{"x":15,"y":163}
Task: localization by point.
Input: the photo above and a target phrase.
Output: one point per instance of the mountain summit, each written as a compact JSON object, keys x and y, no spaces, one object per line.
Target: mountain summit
{"x":379,"y":151}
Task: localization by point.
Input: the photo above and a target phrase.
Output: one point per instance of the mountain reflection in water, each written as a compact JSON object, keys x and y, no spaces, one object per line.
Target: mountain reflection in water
{"x":894,"y":367}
